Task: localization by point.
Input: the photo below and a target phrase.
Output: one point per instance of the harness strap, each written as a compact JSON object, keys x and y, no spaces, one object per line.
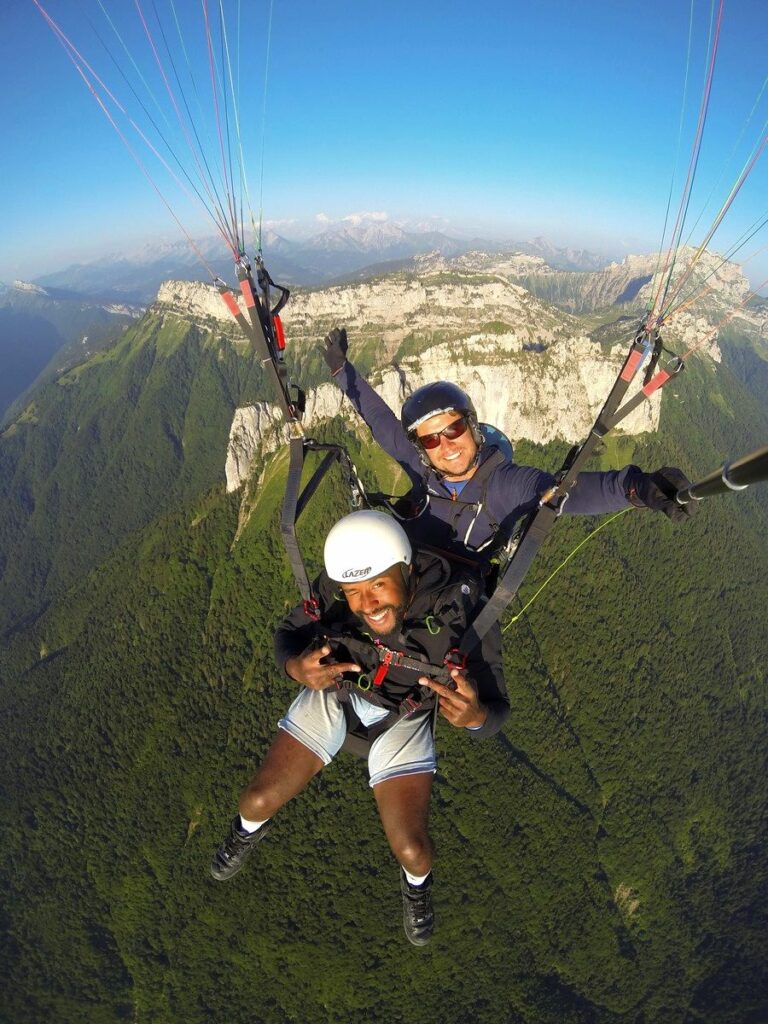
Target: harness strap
{"x":418,"y":697}
{"x":540,"y":522}
{"x":416,"y":502}
{"x":388,"y":658}
{"x":288,"y":517}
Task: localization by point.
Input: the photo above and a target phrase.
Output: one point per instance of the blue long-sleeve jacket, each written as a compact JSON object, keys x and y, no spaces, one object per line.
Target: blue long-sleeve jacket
{"x":490,"y":503}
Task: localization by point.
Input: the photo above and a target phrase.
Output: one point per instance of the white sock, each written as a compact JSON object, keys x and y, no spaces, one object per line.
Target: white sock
{"x":250,"y":826}
{"x":416,"y":879}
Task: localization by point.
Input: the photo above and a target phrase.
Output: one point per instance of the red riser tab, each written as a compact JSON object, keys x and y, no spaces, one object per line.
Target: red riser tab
{"x":231,"y":303}
{"x":279,"y":332}
{"x":655,"y":382}
{"x":245,"y":288}
{"x":631,"y":365}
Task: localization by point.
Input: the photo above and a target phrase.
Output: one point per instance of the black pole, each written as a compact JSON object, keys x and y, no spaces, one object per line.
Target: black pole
{"x":732,"y":476}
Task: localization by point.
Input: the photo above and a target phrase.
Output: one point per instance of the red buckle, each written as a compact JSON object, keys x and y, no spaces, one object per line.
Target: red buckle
{"x":455,"y":659}
{"x":279,"y":332}
{"x":312,"y":609}
{"x":381,"y":671}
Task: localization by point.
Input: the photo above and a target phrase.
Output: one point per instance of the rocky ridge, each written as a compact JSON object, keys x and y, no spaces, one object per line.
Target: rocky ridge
{"x":539,"y":395}
{"x":533,"y":369}
{"x":719,"y":285}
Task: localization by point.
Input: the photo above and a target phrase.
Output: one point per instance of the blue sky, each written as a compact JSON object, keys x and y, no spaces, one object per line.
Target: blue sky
{"x":504,"y":120}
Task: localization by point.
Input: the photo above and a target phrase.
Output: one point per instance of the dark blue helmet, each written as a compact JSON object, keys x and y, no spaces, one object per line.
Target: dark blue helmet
{"x":431,"y":400}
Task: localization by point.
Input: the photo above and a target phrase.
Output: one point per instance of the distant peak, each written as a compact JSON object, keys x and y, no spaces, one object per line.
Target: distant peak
{"x":27,"y":286}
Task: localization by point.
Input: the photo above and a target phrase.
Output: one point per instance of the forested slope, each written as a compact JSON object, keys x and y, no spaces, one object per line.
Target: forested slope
{"x":602,"y":860}
{"x":103,"y":449}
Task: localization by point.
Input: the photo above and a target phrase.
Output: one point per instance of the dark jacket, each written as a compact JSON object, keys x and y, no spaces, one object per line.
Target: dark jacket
{"x":509,"y":492}
{"x":442,"y":603}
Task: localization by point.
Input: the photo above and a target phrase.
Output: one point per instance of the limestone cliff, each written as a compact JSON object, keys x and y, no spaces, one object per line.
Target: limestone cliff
{"x":533,"y":370}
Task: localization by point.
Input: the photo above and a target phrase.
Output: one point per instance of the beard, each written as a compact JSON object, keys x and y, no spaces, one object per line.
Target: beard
{"x":399,"y":614}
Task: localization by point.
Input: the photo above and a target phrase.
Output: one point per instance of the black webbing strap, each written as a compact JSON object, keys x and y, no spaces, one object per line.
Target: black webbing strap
{"x":288,"y":517}
{"x":335,"y":453}
{"x":314,"y":482}
{"x":534,"y":536}
{"x":295,"y":500}
{"x":388,"y":658}
{"x":550,"y":506}
{"x":265,"y":281}
{"x":254,"y":332}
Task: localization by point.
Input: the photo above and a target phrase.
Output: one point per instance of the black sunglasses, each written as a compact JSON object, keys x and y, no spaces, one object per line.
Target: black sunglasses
{"x":450,"y":433}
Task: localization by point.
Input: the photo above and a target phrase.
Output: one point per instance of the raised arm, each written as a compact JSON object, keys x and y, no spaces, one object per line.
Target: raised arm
{"x":383,"y":423}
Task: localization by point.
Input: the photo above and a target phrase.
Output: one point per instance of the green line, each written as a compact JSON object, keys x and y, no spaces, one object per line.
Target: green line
{"x":565,"y":561}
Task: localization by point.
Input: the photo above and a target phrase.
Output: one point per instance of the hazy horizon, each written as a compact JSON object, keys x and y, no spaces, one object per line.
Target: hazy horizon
{"x":523,"y":121}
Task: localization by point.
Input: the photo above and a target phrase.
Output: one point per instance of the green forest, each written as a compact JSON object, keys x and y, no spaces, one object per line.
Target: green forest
{"x":602,"y":860}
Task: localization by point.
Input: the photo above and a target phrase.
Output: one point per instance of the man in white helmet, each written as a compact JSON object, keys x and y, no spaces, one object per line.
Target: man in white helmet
{"x":387,"y":621}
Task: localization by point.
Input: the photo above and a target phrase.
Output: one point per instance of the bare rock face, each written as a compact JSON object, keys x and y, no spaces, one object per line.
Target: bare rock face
{"x":396,"y":304}
{"x":193,"y":301}
{"x":539,"y":395}
{"x":725,"y":280}
{"x":401,"y":305}
{"x":255,"y":428}
{"x":716,"y":285}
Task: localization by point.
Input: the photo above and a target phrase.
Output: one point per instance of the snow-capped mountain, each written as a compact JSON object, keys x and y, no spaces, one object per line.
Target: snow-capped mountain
{"x":343,"y":248}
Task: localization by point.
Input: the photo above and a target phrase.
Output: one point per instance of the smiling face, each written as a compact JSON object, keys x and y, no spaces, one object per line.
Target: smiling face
{"x":379,"y":602}
{"x":454,"y":459}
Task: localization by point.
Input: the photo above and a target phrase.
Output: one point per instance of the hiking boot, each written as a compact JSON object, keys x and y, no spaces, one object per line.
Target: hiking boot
{"x":418,"y":915}
{"x":236,"y":849}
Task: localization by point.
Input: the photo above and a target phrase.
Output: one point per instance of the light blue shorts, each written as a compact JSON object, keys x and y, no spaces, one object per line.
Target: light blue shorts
{"x":316,"y":719}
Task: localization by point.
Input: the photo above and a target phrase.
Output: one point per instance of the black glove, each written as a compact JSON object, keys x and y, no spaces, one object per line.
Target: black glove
{"x":334,"y":349}
{"x":657,"y":491}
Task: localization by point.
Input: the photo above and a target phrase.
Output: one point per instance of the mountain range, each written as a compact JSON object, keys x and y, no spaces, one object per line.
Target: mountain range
{"x":338,"y":251}
{"x":87,"y":304}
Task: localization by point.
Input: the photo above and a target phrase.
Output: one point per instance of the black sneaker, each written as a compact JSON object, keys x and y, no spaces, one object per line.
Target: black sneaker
{"x":418,"y":915}
{"x":236,"y":849}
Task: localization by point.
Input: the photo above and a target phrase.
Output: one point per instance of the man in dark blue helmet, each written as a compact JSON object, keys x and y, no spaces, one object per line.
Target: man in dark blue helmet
{"x":469,"y":493}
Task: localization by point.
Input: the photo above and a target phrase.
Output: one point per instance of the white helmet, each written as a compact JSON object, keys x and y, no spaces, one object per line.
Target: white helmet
{"x":363,"y":545}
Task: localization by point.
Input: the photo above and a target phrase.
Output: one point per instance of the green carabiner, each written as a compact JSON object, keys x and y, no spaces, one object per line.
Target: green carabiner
{"x":431,"y":625}
{"x":359,"y":682}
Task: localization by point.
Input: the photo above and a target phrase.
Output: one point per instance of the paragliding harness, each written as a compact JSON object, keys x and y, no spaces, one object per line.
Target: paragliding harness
{"x":377,"y":660}
{"x":264,"y":330}
{"x":492,"y":554}
{"x":416,"y":502}
{"x":424,"y":656}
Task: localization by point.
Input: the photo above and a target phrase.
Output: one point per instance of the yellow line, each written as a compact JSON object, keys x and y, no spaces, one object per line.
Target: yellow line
{"x":565,"y":561}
